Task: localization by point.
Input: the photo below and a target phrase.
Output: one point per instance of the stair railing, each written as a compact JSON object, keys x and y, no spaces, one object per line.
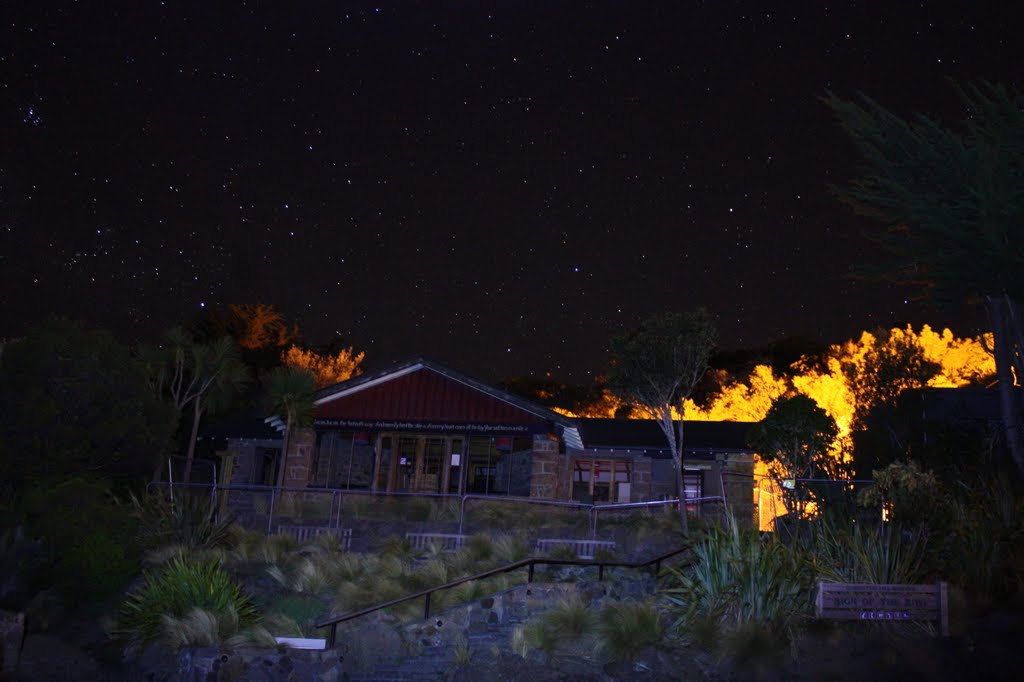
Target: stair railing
{"x":333,"y":620}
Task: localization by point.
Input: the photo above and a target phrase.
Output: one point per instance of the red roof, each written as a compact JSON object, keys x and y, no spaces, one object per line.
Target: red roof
{"x":421,"y":394}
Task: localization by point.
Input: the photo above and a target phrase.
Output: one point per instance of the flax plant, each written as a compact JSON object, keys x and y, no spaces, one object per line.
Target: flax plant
{"x":879,"y":556}
{"x":738,"y":577}
{"x":169,"y":596}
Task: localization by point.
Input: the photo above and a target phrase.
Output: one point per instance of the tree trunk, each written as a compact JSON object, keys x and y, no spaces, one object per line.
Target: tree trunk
{"x":196,"y":414}
{"x":284,"y":452}
{"x":1003,"y":338}
{"x":678,"y":455}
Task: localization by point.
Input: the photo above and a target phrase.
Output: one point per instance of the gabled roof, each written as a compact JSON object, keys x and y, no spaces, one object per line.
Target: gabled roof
{"x":422,"y":391}
{"x":645,"y":436}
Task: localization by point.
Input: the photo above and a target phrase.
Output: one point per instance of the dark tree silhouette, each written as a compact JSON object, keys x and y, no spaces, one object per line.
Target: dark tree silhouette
{"x":953,"y":207}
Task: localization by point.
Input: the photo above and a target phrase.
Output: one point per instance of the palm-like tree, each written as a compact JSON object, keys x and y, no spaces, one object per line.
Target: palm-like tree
{"x":203,"y":376}
{"x":290,"y":393}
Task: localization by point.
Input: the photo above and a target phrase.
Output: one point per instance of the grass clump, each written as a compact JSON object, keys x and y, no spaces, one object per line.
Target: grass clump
{"x":186,"y":603}
{"x":294,"y":615}
{"x":572,"y":617}
{"x":626,"y":628}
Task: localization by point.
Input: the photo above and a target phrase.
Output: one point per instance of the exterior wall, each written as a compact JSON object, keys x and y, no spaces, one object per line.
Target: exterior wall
{"x":298,"y":465}
{"x":245,"y":453}
{"x":298,"y":469}
{"x":546,"y":479}
{"x":640,"y":484}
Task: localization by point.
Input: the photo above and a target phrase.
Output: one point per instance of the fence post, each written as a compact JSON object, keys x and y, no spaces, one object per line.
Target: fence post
{"x":270,"y":512}
{"x":426,"y":607}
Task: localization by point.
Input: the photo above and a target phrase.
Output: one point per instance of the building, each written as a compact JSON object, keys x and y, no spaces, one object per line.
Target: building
{"x":419,"y":427}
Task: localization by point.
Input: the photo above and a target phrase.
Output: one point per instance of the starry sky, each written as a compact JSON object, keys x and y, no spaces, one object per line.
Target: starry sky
{"x":500,"y":186}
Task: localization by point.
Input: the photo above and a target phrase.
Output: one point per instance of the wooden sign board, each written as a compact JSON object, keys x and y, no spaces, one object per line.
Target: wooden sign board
{"x":845,"y":601}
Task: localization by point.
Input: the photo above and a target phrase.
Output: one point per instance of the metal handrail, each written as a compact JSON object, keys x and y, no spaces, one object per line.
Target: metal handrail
{"x":332,"y":621}
{"x":511,"y":498}
{"x":595,"y":509}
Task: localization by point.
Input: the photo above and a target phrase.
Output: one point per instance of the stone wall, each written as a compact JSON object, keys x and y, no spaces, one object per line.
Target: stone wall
{"x":298,"y":469}
{"x":366,"y":647}
{"x":640,"y":480}
{"x":546,"y":479}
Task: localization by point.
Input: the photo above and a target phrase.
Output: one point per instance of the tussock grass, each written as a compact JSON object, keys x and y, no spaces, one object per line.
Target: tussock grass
{"x":572,"y":617}
{"x":291,"y":615}
{"x":626,"y":628}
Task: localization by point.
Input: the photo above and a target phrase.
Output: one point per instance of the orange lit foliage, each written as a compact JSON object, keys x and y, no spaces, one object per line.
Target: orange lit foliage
{"x":961,"y":362}
{"x":262,"y":326}
{"x":327,"y":369}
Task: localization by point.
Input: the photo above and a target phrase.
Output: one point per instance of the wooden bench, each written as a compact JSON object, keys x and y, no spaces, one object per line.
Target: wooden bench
{"x":445,"y":541}
{"x":308,"y":533}
{"x":844,"y":601}
{"x":584,"y":549}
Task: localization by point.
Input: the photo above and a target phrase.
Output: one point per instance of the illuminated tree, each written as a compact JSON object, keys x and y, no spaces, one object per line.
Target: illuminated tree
{"x":656,"y":369}
{"x":794,"y":440}
{"x":326,"y":369}
{"x":261,"y":332}
{"x":953,"y":206}
{"x":888,"y":365}
{"x":200,"y":377}
{"x":263,"y":326}
{"x":290,"y":392}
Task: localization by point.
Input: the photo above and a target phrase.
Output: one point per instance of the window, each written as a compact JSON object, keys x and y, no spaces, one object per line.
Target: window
{"x":600,"y":480}
{"x":343,"y":459}
{"x":693,"y":488}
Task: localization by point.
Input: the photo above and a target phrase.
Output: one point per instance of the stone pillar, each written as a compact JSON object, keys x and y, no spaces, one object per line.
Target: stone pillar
{"x":546,"y":470}
{"x":298,"y":468}
{"x":640,"y":480}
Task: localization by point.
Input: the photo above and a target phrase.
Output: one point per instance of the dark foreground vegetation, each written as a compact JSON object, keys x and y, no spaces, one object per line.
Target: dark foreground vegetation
{"x":122,"y":574}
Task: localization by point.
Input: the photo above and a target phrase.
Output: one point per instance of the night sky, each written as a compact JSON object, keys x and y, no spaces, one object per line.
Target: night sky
{"x":500,"y":186}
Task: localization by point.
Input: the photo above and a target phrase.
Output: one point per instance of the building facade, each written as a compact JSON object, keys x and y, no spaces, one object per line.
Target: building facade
{"x":419,"y":427}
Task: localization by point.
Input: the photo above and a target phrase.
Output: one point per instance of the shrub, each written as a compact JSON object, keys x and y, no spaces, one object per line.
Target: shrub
{"x":983,"y":550}
{"x":171,"y":594}
{"x":571,"y":617}
{"x":627,"y":628}
{"x":737,"y":578}
{"x":880,"y":556}
{"x":181,"y":518}
{"x":540,"y":635}
{"x":480,"y":547}
{"x":95,"y":554}
{"x":511,"y":548}
{"x":305,"y":574}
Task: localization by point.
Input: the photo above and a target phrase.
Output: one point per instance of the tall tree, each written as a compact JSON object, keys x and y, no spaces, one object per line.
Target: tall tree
{"x":656,"y":369}
{"x":794,"y":440}
{"x":953,"y":206}
{"x":894,"y":363}
{"x":290,"y":392}
{"x":199,"y":378}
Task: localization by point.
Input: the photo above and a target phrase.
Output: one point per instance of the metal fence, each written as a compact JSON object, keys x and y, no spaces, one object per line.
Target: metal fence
{"x":268,"y":507}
